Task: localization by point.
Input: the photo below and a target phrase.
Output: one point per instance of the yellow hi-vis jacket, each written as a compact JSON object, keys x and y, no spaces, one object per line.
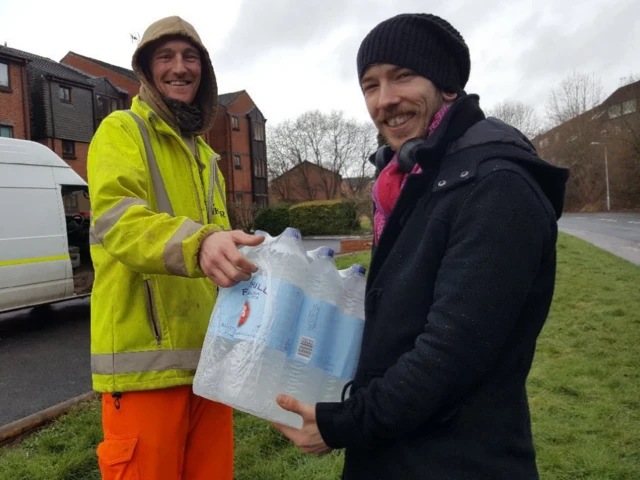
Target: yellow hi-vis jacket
{"x":153,"y":202}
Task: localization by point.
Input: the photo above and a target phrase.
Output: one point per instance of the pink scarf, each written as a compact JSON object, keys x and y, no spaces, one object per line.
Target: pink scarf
{"x":391,"y":180}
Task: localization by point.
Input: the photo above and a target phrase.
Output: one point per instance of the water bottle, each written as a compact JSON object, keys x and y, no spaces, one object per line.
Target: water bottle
{"x":245,"y":249}
{"x":345,"y":338}
{"x":258,"y":317}
{"x":302,"y":376}
{"x":313,"y":254}
{"x":261,"y":233}
{"x":220,"y":337}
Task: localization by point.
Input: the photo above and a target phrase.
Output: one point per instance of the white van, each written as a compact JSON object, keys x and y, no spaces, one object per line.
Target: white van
{"x":44,"y":234}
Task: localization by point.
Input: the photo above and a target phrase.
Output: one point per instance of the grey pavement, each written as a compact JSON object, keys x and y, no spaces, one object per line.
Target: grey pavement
{"x":618,"y":233}
{"x":312,"y":244}
{"x":44,"y":358}
{"x":331,"y":241}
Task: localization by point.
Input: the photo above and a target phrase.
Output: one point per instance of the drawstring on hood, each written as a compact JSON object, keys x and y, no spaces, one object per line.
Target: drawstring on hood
{"x":194,"y":119}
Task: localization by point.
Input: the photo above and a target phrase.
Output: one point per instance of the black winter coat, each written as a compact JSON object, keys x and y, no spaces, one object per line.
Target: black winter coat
{"x":458,"y":290}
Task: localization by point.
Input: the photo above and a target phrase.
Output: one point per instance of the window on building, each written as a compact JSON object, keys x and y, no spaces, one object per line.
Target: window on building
{"x":64,"y":94}
{"x":69,"y":149}
{"x":260,"y":168}
{"x":6,"y":131}
{"x":258,"y":132}
{"x":4,"y":75}
{"x":235,"y":123}
{"x":105,"y":105}
{"x":237,"y":161}
{"x":629,"y":107}
{"x":238,"y":198}
{"x":615,"y":111}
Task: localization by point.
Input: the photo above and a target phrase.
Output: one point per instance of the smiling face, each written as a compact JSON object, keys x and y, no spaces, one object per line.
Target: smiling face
{"x":401,"y":103}
{"x":176,"y":69}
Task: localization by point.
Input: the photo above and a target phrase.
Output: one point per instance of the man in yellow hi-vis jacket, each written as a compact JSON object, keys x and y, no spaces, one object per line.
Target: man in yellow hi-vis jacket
{"x":160,"y":243}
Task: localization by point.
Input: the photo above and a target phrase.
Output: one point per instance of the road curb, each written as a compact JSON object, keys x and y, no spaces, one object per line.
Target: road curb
{"x":14,"y":430}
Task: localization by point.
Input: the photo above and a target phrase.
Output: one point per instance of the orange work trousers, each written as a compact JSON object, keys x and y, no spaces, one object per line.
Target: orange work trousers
{"x":167,"y":434}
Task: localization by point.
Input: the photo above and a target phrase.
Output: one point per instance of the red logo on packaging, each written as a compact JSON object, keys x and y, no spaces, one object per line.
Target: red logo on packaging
{"x":245,"y":314}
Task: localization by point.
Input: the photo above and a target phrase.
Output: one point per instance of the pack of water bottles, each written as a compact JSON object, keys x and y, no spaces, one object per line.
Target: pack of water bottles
{"x":295,"y":327}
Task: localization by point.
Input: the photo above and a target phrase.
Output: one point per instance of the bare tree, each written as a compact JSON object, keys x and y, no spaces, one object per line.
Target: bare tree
{"x":629,"y":79}
{"x":519,"y":115}
{"x":322,"y":148}
{"x":366,"y":145}
{"x":576,"y":94}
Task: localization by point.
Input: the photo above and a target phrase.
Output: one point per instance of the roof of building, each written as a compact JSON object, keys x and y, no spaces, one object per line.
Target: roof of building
{"x":306,"y":164}
{"x":227,"y":99}
{"x":125,"y":72}
{"x":49,"y":66}
{"x":96,"y":80}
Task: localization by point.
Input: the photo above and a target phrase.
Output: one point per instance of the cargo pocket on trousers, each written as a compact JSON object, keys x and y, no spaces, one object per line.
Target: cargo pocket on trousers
{"x":115,"y":457}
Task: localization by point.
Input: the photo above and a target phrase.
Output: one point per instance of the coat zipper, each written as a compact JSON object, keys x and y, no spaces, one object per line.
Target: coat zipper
{"x":152,"y":312}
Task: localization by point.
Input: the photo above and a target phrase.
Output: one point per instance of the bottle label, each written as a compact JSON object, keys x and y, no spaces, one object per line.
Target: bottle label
{"x":259,"y":310}
{"x":316,"y":319}
{"x":341,"y":357}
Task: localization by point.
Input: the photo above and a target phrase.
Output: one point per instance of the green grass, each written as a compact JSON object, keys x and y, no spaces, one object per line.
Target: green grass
{"x":584,"y":390}
{"x":346,"y":260}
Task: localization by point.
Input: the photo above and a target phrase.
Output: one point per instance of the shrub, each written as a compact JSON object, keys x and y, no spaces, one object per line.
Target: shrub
{"x":273,"y":220}
{"x":325,"y":217}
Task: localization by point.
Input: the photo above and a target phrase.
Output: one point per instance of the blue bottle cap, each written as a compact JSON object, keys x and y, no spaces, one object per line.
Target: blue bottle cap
{"x":358,"y":269}
{"x":325,"y":252}
{"x":291,"y":232}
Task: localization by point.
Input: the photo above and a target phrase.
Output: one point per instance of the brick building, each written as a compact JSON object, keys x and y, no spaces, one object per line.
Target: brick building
{"x":14,"y":98}
{"x":120,"y":77}
{"x":304,"y":182}
{"x":602,"y":148}
{"x":67,"y":101}
{"x":238,"y":136}
{"x":61,"y":107}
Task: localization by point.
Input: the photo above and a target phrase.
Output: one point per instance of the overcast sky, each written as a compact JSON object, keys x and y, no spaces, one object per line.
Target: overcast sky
{"x":298,"y":55}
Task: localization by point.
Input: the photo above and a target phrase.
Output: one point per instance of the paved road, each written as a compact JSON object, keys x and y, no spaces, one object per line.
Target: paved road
{"x":313,"y":243}
{"x":44,"y":358}
{"x":618,"y":233}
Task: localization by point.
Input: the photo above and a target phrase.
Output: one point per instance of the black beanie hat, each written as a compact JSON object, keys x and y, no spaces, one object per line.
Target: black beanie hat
{"x":421,"y":42}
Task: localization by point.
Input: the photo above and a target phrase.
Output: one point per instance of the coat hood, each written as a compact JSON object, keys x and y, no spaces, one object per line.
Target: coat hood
{"x":492,"y":131}
{"x":206,"y":98}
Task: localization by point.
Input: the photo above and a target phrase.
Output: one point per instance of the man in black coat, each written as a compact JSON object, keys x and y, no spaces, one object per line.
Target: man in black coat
{"x":461,"y":278}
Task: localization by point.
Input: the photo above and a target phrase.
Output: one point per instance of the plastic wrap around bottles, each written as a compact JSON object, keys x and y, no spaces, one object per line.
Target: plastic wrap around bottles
{"x":295,"y":327}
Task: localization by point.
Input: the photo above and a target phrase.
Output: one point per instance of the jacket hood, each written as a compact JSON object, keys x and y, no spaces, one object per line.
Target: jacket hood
{"x":551,"y":179}
{"x":206,"y":98}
